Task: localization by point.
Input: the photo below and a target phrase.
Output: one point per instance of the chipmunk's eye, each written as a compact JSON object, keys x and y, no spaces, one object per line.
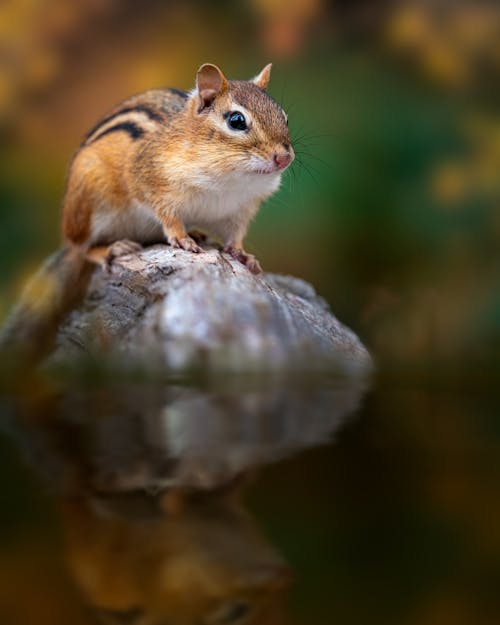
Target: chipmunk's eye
{"x":237,"y":121}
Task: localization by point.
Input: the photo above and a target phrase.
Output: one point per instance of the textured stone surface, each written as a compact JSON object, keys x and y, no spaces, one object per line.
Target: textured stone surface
{"x":166,"y":307}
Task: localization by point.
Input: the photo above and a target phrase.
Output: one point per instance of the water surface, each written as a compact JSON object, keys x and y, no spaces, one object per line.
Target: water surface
{"x":249,"y":500}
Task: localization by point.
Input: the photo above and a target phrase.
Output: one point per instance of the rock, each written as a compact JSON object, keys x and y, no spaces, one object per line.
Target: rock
{"x":164,"y":307}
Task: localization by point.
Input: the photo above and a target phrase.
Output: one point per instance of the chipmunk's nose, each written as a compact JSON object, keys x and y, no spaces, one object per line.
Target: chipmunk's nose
{"x":284,"y":157}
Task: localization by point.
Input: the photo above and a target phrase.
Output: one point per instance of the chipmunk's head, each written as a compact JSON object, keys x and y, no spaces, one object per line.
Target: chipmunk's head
{"x":240,"y":117}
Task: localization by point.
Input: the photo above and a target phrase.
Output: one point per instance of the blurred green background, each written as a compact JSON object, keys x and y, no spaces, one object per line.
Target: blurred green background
{"x":391,"y":210}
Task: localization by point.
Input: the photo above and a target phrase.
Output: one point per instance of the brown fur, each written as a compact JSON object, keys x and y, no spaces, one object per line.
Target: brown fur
{"x":158,"y":163}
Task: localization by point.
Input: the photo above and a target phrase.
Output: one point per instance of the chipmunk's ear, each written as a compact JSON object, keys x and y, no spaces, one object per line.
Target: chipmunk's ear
{"x":210,"y":82}
{"x":262,"y":79}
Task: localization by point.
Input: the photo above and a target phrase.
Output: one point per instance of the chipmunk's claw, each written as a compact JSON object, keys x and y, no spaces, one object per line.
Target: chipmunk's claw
{"x":249,"y":260}
{"x":186,"y":243}
{"x":253,"y":265}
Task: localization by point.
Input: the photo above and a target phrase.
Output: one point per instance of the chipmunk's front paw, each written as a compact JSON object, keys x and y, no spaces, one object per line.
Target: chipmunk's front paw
{"x":121,"y":248}
{"x":186,"y":243}
{"x":248,"y":260}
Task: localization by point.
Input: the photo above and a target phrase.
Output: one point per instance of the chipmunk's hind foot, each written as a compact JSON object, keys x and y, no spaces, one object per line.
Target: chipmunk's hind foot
{"x":121,"y":248}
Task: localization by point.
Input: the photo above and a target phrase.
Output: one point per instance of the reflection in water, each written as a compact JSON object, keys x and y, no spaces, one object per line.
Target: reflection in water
{"x":148,"y":480}
{"x":186,"y":560}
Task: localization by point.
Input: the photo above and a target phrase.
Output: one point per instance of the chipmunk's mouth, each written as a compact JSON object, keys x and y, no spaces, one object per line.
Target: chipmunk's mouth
{"x":269,"y":168}
{"x":278,"y":163}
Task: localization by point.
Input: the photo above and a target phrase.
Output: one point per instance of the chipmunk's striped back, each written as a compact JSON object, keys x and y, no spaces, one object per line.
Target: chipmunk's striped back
{"x":136,"y":116}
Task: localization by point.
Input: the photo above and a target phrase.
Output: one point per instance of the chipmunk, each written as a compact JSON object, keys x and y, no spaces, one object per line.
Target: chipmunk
{"x":166,"y":162}
{"x":158,"y":165}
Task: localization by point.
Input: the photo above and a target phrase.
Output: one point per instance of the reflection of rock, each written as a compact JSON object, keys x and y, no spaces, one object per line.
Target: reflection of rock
{"x":170,"y":307}
{"x":155,"y":437}
{"x":214,"y":438}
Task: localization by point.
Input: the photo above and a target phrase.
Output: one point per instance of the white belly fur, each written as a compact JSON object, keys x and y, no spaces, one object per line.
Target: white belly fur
{"x":204,"y":210}
{"x":221,"y":200}
{"x":137,"y":223}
